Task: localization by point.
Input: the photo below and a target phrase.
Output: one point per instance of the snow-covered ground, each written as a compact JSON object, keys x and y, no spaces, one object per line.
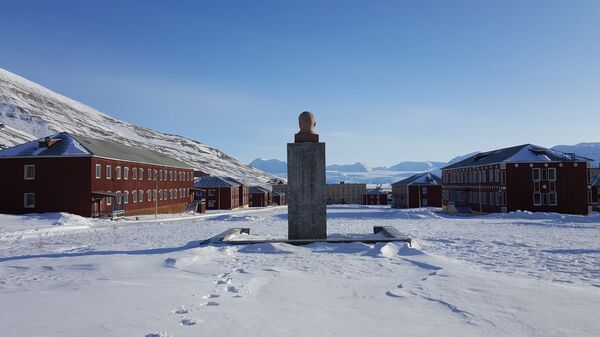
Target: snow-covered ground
{"x":520,"y":274}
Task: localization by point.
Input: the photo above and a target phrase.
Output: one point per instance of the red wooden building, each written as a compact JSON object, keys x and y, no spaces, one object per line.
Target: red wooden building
{"x":91,"y":177}
{"x":259,"y":197}
{"x":220,"y":193}
{"x":375,"y":197}
{"x":525,"y":177}
{"x":279,"y":198}
{"x":243,"y":192}
{"x":419,"y":190}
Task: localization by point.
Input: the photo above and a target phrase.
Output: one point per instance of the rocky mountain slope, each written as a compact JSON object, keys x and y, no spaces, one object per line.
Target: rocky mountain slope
{"x":29,"y":111}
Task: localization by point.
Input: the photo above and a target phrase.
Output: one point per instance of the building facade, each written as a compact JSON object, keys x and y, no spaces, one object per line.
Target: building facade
{"x":374,"y":197}
{"x":220,"y":193}
{"x":243,"y":192}
{"x":343,"y":193}
{"x":259,"y":197}
{"x":525,"y":177}
{"x":596,"y":192}
{"x":91,"y":177}
{"x":419,"y":190}
{"x":279,"y":198}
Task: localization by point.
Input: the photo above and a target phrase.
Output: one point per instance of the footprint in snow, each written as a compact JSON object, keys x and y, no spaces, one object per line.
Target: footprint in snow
{"x":210,"y":296}
{"x":158,"y":334}
{"x":188,"y":322}
{"x":210,"y":304}
{"x":181,"y":311}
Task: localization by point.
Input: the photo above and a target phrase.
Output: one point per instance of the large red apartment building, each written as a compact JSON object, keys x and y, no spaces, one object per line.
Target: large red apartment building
{"x":91,"y":177}
{"x":525,"y":177}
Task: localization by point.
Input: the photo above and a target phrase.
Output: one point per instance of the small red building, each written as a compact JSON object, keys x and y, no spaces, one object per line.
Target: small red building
{"x":91,"y":177}
{"x":525,"y":177}
{"x":419,"y":190}
{"x":220,"y":193}
{"x":375,"y":197}
{"x":259,"y":197}
{"x":279,"y":198}
{"x":243,"y":192}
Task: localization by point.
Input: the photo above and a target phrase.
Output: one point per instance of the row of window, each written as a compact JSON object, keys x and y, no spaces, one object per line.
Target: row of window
{"x":475,"y":197}
{"x":138,"y":174}
{"x":538,"y":174}
{"x":478,"y":176}
{"x":138,"y":195}
{"x":544,"y":199}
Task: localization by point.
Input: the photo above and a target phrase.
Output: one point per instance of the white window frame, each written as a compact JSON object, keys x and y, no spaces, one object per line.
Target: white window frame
{"x":126,"y":173}
{"x":539,"y":174}
{"x":109,"y":200}
{"x":211,"y":192}
{"x":552,"y":169}
{"x":550,"y":199}
{"x":98,"y":171}
{"x":141,"y":173}
{"x":125,"y":197}
{"x":141,"y":195}
{"x":119,"y":198}
{"x":26,"y":203}
{"x":108,"y":172}
{"x":134,"y":173}
{"x":134,"y":196}
{"x":424,"y":190}
{"x":149,"y":195}
{"x":25,"y":171}
{"x":154,"y":195}
{"x":118,"y":172}
{"x":539,"y":195}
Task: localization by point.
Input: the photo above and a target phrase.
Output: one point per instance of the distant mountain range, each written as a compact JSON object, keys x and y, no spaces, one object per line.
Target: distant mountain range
{"x":361,"y":173}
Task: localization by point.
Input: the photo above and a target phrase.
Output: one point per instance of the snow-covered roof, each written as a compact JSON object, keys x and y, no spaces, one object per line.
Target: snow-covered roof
{"x":426,"y":178}
{"x":213,"y":182}
{"x":258,"y":189}
{"x":65,"y":144}
{"x":527,"y":153}
{"x":374,"y":191}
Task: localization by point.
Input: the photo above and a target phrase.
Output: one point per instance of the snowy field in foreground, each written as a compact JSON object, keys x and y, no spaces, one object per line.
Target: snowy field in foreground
{"x":518,"y":274}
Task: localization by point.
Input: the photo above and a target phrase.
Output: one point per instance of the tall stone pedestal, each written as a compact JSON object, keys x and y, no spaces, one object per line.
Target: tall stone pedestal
{"x":306,"y":191}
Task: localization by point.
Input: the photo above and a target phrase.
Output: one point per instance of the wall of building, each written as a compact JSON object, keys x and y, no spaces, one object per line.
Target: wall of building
{"x":259,"y":199}
{"x":222,"y":198}
{"x":175,"y":184}
{"x":345,"y":193}
{"x":374,"y":199}
{"x":60,"y":185}
{"x":570,"y":186}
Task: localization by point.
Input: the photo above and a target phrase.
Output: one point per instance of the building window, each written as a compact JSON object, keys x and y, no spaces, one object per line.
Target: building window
{"x":141,"y":173}
{"x":108,"y":172}
{"x":175,"y":176}
{"x":149,"y":194}
{"x":155,"y":174}
{"x":544,"y":174}
{"x":552,"y":174}
{"x":211,"y":203}
{"x":171,"y":194}
{"x":535,"y":173}
{"x":98,"y":171}
{"x":552,"y":198}
{"x":119,"y":200}
{"x":154,"y":195}
{"x":134,"y":196}
{"x":109,"y":200}
{"x":141,"y":195}
{"x":424,"y":203}
{"x":503,"y":198}
{"x":537,"y":199}
{"x":29,"y":200}
{"x":161,"y":175}
{"x":424,"y":190}
{"x":29,"y":172}
{"x":118,"y":172}
{"x":126,"y":173}
{"x":160,"y":195}
{"x":134,"y":173}
{"x":126,"y":197}
{"x":170,"y":175}
{"x":211,"y":193}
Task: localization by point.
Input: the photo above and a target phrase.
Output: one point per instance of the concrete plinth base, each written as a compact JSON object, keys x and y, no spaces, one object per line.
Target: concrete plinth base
{"x":306,"y":191}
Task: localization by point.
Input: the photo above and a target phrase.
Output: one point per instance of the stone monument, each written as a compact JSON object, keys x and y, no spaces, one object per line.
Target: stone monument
{"x":306,"y":192}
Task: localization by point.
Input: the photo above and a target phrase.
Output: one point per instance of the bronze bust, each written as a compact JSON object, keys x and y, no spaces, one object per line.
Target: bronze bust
{"x":307,"y":134}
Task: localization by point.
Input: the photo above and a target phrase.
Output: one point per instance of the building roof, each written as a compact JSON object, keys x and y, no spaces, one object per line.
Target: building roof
{"x":233,"y":180}
{"x":374,"y":191}
{"x":426,"y":178}
{"x":278,"y":193}
{"x":527,"y":153}
{"x":258,"y":189}
{"x":596,"y":181}
{"x":65,"y":144}
{"x":214,"y":182}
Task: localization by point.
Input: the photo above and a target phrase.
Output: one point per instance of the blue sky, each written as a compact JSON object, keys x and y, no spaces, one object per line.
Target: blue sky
{"x":388,"y":81}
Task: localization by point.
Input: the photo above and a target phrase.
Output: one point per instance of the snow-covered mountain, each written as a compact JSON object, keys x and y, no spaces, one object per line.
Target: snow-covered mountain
{"x":417,"y":166}
{"x":273,"y":166}
{"x":356,"y":167}
{"x":588,"y":150}
{"x":29,"y":111}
